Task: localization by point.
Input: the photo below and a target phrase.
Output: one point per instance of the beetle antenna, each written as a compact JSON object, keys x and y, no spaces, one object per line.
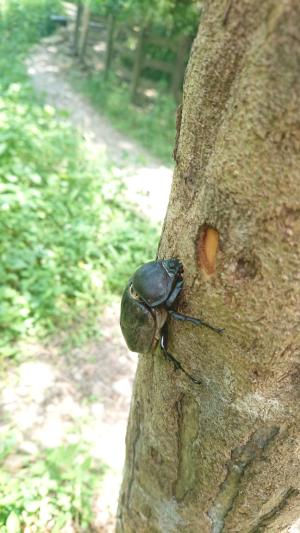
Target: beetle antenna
{"x":170,"y":357}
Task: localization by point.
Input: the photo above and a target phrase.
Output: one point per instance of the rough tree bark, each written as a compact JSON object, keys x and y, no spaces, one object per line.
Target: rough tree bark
{"x":223,"y":456}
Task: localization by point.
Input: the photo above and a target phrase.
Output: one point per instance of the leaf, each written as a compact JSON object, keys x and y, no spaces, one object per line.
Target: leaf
{"x":3,"y":148}
{"x":13,"y":523}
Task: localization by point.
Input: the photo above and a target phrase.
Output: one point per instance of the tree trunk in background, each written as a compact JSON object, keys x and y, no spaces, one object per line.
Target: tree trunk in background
{"x":84,"y":30}
{"x":77,"y":27}
{"x":223,"y":456}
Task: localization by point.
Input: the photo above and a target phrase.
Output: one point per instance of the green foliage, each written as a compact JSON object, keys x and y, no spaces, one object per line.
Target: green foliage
{"x":176,"y":15}
{"x":152,"y":125}
{"x":26,"y":21}
{"x":54,"y":490}
{"x":67,"y":237}
{"x":22,"y":23}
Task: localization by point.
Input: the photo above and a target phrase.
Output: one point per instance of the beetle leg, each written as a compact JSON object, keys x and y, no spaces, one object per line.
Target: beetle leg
{"x":196,"y":321}
{"x":174,"y":294}
{"x":170,"y":357}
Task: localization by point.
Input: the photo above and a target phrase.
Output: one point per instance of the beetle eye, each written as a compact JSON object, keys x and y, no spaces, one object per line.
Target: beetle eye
{"x":133,"y":293}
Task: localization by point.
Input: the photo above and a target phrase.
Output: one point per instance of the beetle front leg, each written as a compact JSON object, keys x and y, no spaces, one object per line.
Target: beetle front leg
{"x":196,"y":321}
{"x":170,"y":357}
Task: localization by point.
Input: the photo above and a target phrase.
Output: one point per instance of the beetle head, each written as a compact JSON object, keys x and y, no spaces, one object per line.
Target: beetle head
{"x":153,"y":282}
{"x":173,"y":266}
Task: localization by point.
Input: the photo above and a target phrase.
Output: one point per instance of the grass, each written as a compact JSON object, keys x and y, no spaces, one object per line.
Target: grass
{"x":49,"y":492}
{"x":152,"y":125}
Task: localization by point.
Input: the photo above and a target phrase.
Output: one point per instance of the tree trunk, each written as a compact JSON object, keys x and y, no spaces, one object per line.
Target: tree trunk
{"x":77,"y":27}
{"x":109,"y":43}
{"x":138,"y":64}
{"x":223,"y":456}
{"x":85,"y":20}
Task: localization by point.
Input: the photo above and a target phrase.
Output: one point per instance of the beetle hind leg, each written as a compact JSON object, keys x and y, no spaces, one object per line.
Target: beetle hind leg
{"x":196,"y":321}
{"x":170,"y":357}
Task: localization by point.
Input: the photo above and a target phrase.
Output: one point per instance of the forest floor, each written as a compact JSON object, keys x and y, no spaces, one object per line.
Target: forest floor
{"x":88,"y":388}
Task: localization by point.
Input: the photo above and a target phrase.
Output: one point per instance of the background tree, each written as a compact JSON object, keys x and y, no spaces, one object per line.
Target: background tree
{"x":224,"y":455}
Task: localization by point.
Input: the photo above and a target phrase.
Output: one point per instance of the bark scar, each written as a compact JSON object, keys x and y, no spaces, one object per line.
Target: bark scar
{"x":134,"y":446}
{"x":241,"y":458}
{"x":178,"y":126}
{"x":179,"y":413}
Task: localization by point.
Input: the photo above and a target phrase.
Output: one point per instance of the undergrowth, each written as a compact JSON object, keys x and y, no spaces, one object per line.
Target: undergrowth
{"x":50,"y":492}
{"x":68,"y":239}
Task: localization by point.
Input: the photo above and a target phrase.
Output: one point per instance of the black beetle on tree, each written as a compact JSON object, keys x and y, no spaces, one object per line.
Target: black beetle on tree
{"x":147,"y":302}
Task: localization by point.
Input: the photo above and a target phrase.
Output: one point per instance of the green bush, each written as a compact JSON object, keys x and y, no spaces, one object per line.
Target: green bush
{"x":67,"y":237}
{"x":177,"y":15}
{"x":22,"y":23}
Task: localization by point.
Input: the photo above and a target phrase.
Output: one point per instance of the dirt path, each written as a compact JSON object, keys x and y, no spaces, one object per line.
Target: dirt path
{"x":57,"y":396}
{"x":148,"y":181}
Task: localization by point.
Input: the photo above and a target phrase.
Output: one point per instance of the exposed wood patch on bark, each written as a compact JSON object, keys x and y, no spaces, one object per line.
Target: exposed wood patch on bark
{"x":241,"y":458}
{"x":206,"y":250}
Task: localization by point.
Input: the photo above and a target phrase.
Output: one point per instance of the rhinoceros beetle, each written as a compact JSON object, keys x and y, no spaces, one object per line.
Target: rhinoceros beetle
{"x":147,"y":303}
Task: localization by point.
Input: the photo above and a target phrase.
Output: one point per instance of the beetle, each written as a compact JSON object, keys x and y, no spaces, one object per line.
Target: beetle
{"x":147,"y":302}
